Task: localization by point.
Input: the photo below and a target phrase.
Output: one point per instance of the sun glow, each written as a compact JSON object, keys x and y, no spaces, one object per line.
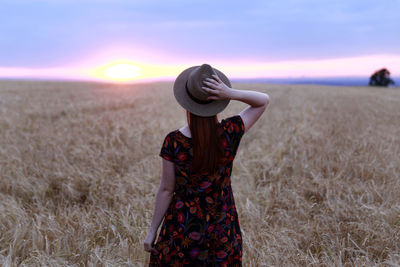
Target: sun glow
{"x":120,"y":71}
{"x":132,"y":71}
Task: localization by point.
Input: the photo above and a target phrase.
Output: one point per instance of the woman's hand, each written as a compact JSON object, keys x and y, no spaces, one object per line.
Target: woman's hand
{"x":149,"y":242}
{"x":217,"y":89}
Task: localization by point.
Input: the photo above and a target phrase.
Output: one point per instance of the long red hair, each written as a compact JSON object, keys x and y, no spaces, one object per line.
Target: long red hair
{"x":206,"y":143}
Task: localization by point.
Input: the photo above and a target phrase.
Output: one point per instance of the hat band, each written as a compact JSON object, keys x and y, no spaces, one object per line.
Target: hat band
{"x":198,"y":101}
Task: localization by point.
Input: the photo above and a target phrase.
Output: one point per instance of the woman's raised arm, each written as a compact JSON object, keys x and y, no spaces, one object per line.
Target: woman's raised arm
{"x":258,"y":101}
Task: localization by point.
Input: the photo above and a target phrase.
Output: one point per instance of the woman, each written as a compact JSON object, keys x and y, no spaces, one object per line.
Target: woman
{"x":195,"y":200}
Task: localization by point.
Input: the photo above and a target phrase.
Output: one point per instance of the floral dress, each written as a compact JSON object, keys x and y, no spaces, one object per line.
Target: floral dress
{"x":201,"y":225}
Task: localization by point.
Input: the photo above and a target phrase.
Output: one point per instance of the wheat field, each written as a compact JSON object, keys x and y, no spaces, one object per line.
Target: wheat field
{"x":316,"y":180}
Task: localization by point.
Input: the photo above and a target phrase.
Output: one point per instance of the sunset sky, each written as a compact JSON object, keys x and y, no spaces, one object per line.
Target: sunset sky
{"x":150,"y":39}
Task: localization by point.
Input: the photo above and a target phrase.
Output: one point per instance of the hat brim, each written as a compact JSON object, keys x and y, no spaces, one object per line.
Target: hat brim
{"x":203,"y":110}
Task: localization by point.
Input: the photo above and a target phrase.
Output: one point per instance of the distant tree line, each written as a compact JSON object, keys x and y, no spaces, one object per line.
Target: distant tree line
{"x":381,"y":78}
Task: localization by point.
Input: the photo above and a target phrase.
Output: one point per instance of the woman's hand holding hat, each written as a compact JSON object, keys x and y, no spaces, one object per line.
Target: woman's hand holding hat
{"x":218,"y":89}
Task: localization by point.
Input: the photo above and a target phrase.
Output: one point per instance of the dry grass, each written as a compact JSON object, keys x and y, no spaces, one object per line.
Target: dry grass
{"x":316,"y":181}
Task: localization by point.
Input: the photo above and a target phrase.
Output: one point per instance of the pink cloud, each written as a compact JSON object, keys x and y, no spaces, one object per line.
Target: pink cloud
{"x":351,"y":66}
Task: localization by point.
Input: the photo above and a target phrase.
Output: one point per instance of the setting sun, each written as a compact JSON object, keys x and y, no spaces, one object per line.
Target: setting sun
{"x":120,"y":71}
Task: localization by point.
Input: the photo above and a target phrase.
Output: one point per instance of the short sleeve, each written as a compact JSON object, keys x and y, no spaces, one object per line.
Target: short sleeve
{"x":234,"y":129}
{"x":167,"y":149}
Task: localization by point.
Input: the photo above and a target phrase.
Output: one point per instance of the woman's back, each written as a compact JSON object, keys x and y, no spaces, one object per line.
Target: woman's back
{"x":178,"y":148}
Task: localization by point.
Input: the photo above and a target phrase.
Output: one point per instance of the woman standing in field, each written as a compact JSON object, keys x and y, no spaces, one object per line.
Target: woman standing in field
{"x":195,"y":200}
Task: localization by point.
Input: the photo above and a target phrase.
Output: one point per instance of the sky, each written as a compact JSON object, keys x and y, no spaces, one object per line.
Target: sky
{"x":74,"y":39}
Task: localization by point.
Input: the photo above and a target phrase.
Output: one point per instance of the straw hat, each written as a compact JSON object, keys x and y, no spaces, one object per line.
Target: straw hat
{"x":190,"y":95}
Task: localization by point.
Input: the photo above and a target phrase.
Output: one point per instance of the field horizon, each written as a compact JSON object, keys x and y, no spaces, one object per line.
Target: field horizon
{"x":315,"y":181}
{"x":306,"y":80}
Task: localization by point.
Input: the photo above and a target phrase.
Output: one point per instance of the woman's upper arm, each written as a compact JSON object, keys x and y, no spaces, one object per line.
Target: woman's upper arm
{"x":250,"y":115}
{"x":167,"y":176}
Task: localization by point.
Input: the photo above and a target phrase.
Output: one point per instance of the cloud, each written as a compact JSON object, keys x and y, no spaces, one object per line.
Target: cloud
{"x":56,"y":32}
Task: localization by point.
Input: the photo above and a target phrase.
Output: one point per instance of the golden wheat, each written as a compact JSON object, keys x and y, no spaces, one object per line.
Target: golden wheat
{"x":316,"y":181}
